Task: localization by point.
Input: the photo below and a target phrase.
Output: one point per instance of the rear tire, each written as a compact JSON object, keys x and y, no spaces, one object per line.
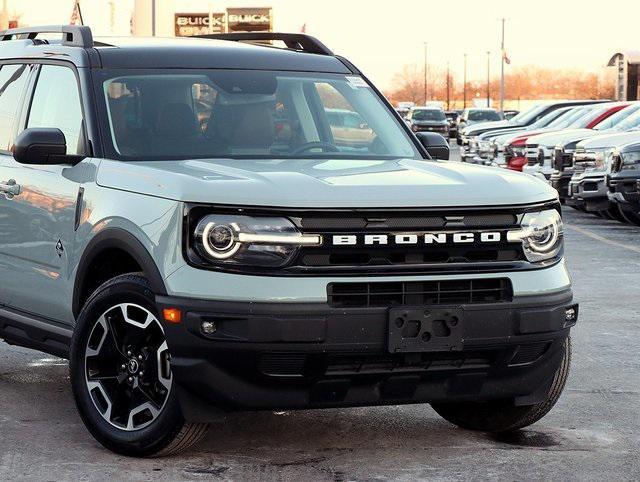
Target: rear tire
{"x":121,"y":376}
{"x":502,"y":415}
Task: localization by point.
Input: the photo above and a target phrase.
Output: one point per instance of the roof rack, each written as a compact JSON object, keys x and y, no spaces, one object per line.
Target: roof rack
{"x":72,"y":35}
{"x":297,"y":41}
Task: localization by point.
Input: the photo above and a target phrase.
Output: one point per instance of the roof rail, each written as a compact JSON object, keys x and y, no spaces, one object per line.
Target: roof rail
{"x":72,"y":35}
{"x":297,"y":41}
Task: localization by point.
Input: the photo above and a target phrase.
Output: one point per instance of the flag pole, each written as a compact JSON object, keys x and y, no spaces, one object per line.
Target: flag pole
{"x":80,"y":12}
{"x":502,"y":70}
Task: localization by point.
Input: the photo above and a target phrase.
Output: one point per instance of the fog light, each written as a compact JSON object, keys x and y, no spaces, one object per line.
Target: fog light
{"x":208,"y":327}
{"x":571,"y":314}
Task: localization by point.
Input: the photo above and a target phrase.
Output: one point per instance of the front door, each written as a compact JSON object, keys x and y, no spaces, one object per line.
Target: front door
{"x":13,"y":86}
{"x":41,"y":217}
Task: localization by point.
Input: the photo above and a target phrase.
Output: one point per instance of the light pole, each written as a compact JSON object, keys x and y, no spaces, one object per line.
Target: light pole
{"x":425,"y":73}
{"x":448,"y":86}
{"x":464,"y":84}
{"x":488,"y":78}
{"x":502,"y":70}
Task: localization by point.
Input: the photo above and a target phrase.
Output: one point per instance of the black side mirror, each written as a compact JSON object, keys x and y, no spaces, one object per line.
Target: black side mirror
{"x":42,"y":145}
{"x":436,"y":145}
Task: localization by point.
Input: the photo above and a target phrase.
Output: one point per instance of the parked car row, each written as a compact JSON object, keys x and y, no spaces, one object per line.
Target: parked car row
{"x":432,"y":118}
{"x":589,"y":151}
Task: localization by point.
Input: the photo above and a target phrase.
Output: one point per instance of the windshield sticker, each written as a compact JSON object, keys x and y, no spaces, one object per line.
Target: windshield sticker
{"x":356,"y":82}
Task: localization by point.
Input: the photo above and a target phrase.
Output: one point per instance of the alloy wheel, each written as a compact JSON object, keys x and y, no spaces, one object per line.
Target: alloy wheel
{"x":127,"y":367}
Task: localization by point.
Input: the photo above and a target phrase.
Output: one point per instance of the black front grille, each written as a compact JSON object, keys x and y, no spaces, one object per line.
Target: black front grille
{"x":450,"y":292}
{"x":378,"y":222}
{"x":416,"y":256}
{"x":562,"y":160}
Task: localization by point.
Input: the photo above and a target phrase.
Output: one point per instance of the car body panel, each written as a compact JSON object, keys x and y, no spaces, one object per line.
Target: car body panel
{"x":331,"y":183}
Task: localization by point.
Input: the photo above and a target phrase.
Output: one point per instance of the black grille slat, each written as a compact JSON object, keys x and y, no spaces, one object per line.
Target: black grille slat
{"x":419,"y":293}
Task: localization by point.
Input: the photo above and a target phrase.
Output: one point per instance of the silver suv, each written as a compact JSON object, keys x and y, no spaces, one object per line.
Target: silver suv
{"x":203,"y":225}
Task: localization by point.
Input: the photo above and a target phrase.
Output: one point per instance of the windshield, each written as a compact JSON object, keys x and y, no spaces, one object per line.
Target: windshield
{"x":587,"y":114}
{"x":567,"y":120}
{"x":550,"y":118}
{"x":181,"y":114}
{"x":484,"y":115}
{"x":591,"y":116}
{"x":428,"y":115}
{"x":630,"y":123}
{"x":528,"y":115}
{"x":618,"y":117}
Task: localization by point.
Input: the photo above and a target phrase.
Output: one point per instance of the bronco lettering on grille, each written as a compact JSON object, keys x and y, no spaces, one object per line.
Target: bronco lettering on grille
{"x":415,"y":238}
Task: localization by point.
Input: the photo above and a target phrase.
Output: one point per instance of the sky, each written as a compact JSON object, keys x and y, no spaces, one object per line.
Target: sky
{"x":381,"y":36}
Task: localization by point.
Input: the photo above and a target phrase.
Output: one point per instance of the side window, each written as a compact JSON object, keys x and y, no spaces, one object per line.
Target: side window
{"x":12,"y":83}
{"x":56,"y":103}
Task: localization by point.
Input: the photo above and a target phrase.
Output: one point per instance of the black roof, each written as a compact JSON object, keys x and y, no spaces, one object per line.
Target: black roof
{"x":304,"y":53}
{"x":131,"y":52}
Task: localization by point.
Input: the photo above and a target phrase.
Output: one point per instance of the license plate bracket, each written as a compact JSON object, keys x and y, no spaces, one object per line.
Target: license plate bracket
{"x":425,"y":329}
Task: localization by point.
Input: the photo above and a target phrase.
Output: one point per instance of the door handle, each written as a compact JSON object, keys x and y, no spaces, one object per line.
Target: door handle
{"x":10,"y":188}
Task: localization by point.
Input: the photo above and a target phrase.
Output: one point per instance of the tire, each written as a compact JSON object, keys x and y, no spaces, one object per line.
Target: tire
{"x":629,"y":216}
{"x":616,"y":214}
{"x":107,"y":377}
{"x":502,"y":415}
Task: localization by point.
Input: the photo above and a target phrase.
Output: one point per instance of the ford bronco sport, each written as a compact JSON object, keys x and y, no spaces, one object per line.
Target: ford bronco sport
{"x":183,"y":221}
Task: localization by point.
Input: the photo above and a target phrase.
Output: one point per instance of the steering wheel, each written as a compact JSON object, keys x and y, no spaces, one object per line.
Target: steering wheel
{"x":325,"y":146}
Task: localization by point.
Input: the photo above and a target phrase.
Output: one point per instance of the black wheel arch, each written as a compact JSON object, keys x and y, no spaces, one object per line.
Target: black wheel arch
{"x":115,"y":238}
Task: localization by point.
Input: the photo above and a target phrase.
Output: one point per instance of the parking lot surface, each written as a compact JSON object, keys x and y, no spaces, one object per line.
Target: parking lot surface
{"x":593,"y":433}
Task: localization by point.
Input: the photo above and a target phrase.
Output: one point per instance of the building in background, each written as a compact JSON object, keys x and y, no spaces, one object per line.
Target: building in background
{"x":627,"y":65}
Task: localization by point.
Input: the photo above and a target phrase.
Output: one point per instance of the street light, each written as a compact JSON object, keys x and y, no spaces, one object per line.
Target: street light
{"x":488,"y":79}
{"x":448,"y":87}
{"x":503,"y":54}
{"x":425,"y":73}
{"x":464,"y":81}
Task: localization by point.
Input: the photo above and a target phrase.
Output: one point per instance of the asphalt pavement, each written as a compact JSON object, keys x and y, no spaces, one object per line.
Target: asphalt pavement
{"x":593,"y":433}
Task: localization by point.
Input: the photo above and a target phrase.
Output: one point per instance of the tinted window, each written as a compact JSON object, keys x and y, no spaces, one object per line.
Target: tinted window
{"x":428,"y":115}
{"x":484,"y":115}
{"x":56,"y":103}
{"x":12,"y":82}
{"x":247,"y":114}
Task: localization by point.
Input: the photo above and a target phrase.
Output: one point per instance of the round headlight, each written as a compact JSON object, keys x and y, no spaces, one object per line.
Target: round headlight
{"x":219,"y":240}
{"x":235,"y":240}
{"x":540,"y":234}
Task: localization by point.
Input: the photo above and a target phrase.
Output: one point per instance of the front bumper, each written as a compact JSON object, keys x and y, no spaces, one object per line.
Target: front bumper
{"x":624,"y":190}
{"x":560,"y":182}
{"x":304,"y":355}
{"x":589,"y":190}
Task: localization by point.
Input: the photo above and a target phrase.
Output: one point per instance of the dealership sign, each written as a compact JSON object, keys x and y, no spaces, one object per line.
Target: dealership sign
{"x":233,"y":20}
{"x":189,"y":24}
{"x":249,"y":20}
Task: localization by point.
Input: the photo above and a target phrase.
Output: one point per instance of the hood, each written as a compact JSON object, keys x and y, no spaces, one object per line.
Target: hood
{"x":500,"y":132}
{"x":323,"y":183}
{"x":603,"y":141}
{"x":485,"y":126}
{"x":512,"y":136}
{"x":552,"y":139}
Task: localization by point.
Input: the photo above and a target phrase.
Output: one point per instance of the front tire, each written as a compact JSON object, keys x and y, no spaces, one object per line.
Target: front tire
{"x":121,"y":376}
{"x":501,"y":415}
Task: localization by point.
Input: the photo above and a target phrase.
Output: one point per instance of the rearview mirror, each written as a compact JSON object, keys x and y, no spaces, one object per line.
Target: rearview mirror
{"x":435,"y":144}
{"x":42,"y":145}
